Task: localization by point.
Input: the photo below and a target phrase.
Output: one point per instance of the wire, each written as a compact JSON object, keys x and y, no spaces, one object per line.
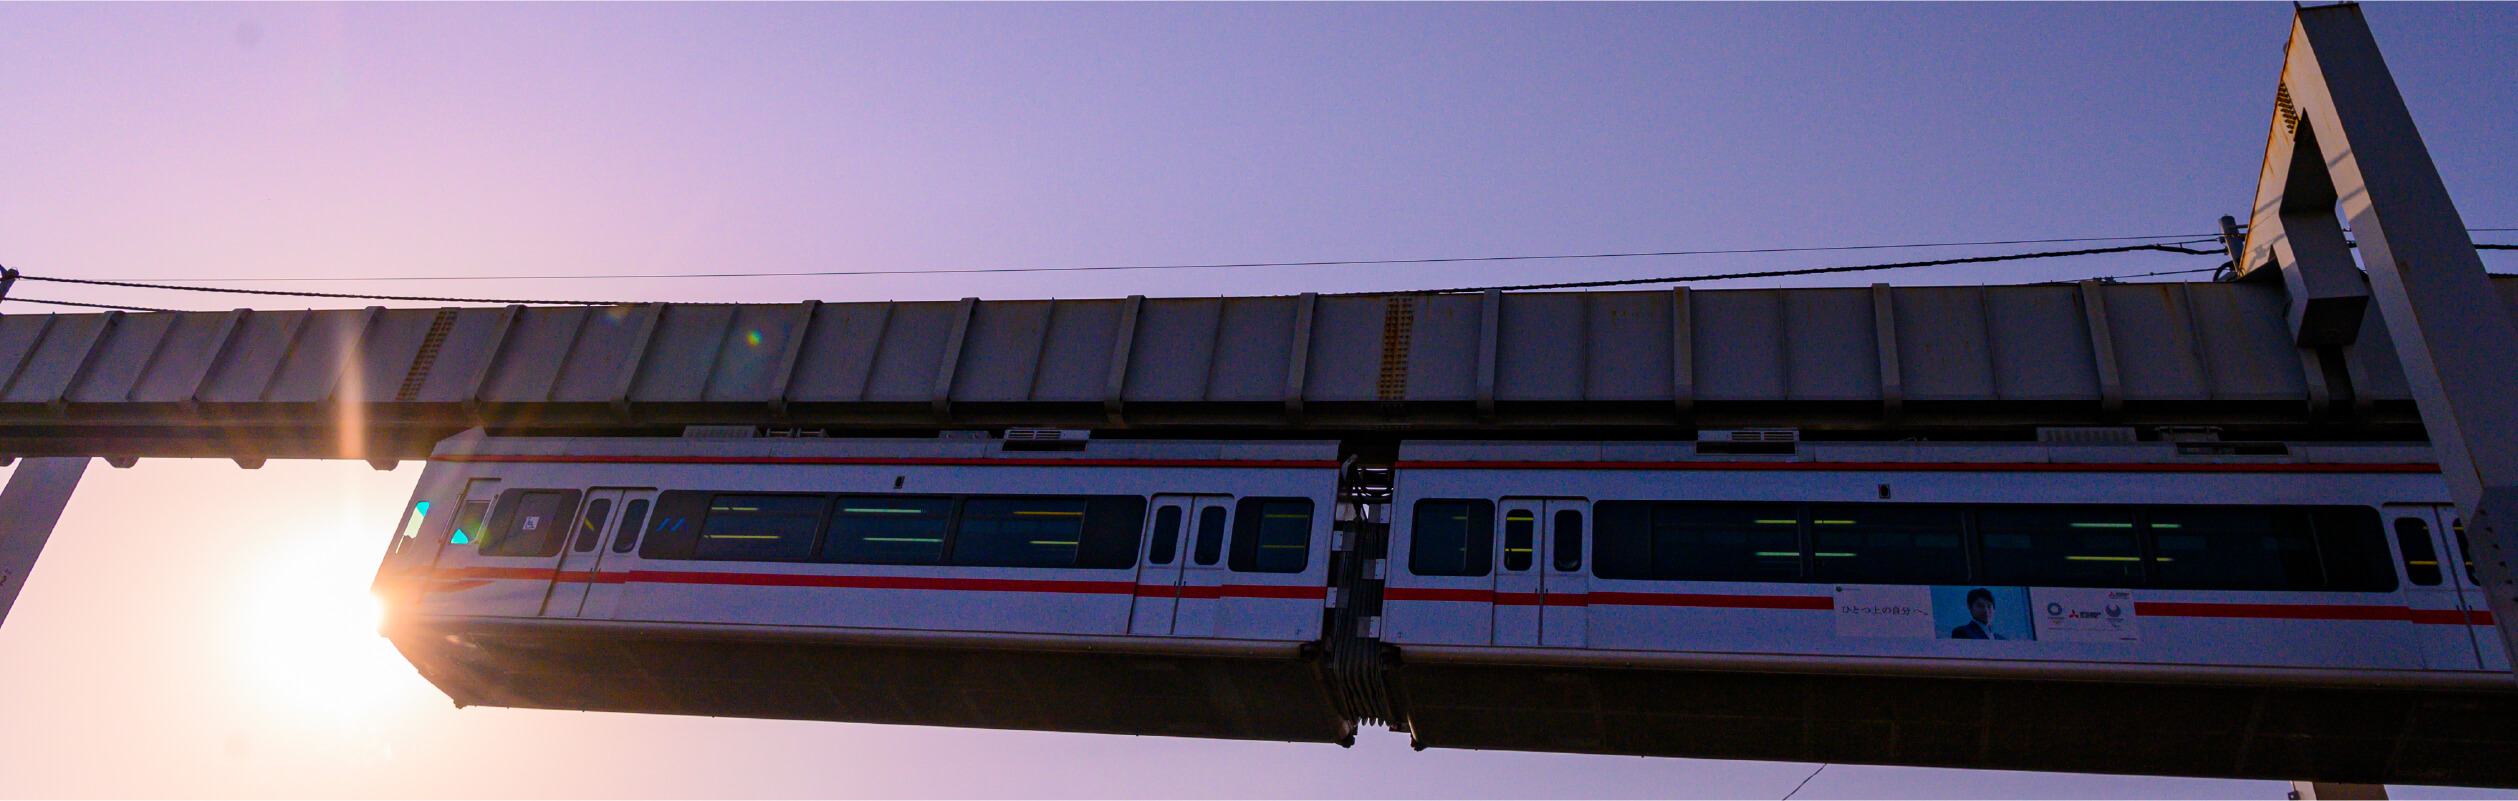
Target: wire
{"x":2147,"y":275}
{"x":1805,"y":781}
{"x":86,"y":305}
{"x":1820,"y":270}
{"x":355,"y":296}
{"x":2186,"y":239}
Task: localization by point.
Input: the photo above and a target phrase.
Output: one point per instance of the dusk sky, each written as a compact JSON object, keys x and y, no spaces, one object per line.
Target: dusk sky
{"x":200,"y":630}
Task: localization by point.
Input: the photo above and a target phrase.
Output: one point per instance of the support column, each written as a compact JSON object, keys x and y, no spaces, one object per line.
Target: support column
{"x":2343,"y":143}
{"x":2337,"y":791}
{"x":29,"y":507}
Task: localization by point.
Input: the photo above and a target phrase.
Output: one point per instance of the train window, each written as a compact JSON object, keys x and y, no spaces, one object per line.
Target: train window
{"x":1889,"y":544}
{"x":888,"y":530}
{"x":1166,"y":542}
{"x":2421,"y":559}
{"x":1210,"y":545}
{"x":1521,"y":529}
{"x":673,"y":530}
{"x":1019,"y":532}
{"x":2465,"y":550}
{"x":530,"y":523}
{"x":760,"y":528}
{"x":633,"y":519}
{"x":468,"y":522}
{"x":1566,"y":551}
{"x":1451,"y":538}
{"x":1702,"y":541}
{"x":2061,"y":546}
{"x":1113,"y":525}
{"x":1273,"y":535}
{"x":2235,"y":549}
{"x":2354,"y":547}
{"x":590,"y":525}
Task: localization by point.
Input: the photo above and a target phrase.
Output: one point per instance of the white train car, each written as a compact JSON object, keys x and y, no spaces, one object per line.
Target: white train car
{"x":2153,"y":608}
{"x":1128,"y":587}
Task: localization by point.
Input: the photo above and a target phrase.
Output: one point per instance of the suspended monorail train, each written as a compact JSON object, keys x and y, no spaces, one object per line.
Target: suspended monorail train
{"x":2277,"y":610}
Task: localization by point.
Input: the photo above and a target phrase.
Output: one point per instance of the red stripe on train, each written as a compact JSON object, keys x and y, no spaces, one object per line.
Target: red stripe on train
{"x":1611,"y":599}
{"x":893,"y":583}
{"x":1822,"y":603}
{"x":1939,"y":467}
{"x":2271,"y":611}
{"x":855,"y":460}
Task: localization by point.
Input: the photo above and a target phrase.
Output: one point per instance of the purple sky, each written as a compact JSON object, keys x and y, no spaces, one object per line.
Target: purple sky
{"x":190,"y":631}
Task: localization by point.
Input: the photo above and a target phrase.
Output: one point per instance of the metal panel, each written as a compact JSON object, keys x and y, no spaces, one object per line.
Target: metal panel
{"x":1174,"y":343}
{"x":121,"y":356}
{"x":1942,"y":352}
{"x":1739,"y":345}
{"x":682,"y":355}
{"x":2041,"y":344}
{"x":1443,"y":353}
{"x":1075,"y":354}
{"x":1628,"y":351}
{"x":537,"y":343}
{"x":913,"y":343}
{"x":839,"y":352}
{"x":1539,"y":347}
{"x":608,"y":338}
{"x":2155,"y":347}
{"x":1252,"y":341}
{"x":1346,"y":348}
{"x":63,"y":349}
{"x":1001,"y":352}
{"x":2242,"y":343}
{"x":1832,"y":344}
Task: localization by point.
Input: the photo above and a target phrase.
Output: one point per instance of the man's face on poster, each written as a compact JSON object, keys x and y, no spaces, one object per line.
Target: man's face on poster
{"x":1980,"y":608}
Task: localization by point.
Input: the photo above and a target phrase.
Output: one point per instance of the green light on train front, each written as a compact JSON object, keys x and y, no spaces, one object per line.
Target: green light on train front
{"x":419,"y":512}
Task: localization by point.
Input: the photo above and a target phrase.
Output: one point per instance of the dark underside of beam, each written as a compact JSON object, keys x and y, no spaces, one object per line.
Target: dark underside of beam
{"x":409,"y":431}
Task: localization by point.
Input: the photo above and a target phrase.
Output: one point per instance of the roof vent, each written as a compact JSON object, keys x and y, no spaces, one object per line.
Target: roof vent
{"x":2189,"y":433}
{"x":1751,"y":435}
{"x":1748,"y":440}
{"x":2087,"y":435}
{"x":1046,"y":439}
{"x":718,"y":432}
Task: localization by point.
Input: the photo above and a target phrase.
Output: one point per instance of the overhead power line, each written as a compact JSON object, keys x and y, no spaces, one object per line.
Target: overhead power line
{"x":2171,"y":247}
{"x":2187,"y":238}
{"x":15,"y":299}
{"x":345,"y":295}
{"x":1681,"y":279}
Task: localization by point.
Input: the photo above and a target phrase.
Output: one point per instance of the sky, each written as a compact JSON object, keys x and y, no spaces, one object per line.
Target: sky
{"x":200,"y":630}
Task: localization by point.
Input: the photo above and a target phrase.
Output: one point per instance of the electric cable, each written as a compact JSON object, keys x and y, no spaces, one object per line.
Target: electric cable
{"x":14,"y":299}
{"x":2185,"y":239}
{"x":1817,"y":270}
{"x":345,"y":295}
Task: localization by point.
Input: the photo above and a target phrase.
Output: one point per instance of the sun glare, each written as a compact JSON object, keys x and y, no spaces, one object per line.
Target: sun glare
{"x":310,"y":628}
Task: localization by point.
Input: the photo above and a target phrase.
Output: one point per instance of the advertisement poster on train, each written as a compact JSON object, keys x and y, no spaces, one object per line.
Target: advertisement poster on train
{"x":1872,"y":610}
{"x":2074,"y":614}
{"x":1967,"y":612}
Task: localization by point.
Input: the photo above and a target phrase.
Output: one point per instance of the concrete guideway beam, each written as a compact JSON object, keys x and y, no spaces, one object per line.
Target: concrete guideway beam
{"x":29,"y":507}
{"x":2343,"y":142}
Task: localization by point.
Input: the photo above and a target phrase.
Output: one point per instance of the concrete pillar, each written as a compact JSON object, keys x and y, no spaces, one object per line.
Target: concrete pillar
{"x":29,"y":507}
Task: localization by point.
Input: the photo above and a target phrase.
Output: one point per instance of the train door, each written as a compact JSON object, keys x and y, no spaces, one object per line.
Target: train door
{"x":1564,"y":583}
{"x":2487,"y":635}
{"x":1542,"y":557}
{"x":1158,"y":573}
{"x":1202,"y":573}
{"x":500,"y":551}
{"x":2433,"y":591}
{"x":577,"y":588}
